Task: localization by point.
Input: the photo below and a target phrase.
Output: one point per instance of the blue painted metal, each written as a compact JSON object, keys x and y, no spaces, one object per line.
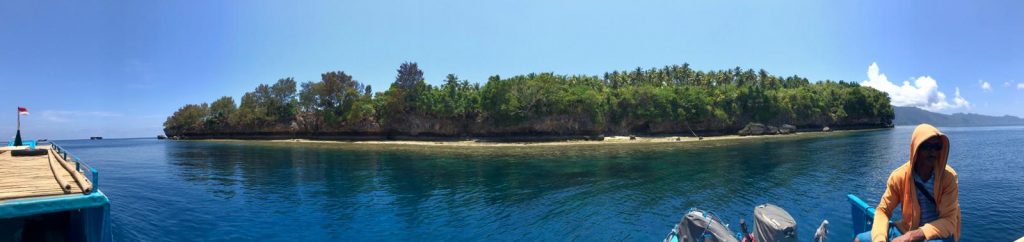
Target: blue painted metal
{"x":40,"y":205}
{"x":863,"y":216}
{"x":89,"y":214}
{"x":96,"y":223}
{"x":30,"y":143}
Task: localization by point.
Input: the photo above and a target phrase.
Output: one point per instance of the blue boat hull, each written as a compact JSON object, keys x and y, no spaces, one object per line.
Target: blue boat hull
{"x":83,"y":217}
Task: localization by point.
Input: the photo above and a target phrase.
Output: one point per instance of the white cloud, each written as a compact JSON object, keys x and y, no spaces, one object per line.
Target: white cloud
{"x":923,"y":92}
{"x":1020,"y":86}
{"x":57,"y":116}
{"x":1006,"y":84}
{"x":77,"y":124}
{"x":959,"y":101}
{"x":985,"y":86}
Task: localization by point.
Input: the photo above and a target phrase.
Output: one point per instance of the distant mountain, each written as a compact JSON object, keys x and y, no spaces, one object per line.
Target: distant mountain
{"x":914,"y":116}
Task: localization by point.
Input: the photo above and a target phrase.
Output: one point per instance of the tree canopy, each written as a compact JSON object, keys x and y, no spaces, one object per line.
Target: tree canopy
{"x":665,"y":100}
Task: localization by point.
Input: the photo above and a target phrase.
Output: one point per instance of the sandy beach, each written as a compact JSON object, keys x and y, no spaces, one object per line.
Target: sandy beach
{"x":610,"y":140}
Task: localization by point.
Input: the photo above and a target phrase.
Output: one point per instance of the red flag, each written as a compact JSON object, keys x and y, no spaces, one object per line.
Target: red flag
{"x":22,"y":111}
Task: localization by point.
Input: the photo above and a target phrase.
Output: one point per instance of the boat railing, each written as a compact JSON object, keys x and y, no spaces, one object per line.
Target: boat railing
{"x":93,"y":175}
{"x":863,"y":216}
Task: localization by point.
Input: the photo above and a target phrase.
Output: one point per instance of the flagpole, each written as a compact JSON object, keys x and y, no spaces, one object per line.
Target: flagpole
{"x":17,"y":136}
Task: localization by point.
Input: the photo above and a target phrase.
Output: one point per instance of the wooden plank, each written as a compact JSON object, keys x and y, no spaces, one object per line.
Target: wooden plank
{"x":38,"y":189}
{"x":36,"y":176}
{"x":83,"y":183}
{"x":28,"y":195}
{"x":29,"y":189}
{"x":63,"y":184}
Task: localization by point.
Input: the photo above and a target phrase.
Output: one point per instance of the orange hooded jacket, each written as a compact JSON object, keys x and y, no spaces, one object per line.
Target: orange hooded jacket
{"x":900,"y":191}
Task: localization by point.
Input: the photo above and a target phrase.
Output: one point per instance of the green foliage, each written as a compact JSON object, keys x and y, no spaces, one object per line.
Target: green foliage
{"x":409,"y":76}
{"x":638,"y":100}
{"x":332,"y":102}
{"x":408,"y":94}
{"x":190,"y":118}
{"x":266,"y":106}
{"x":220,"y":112}
{"x":456,"y":99}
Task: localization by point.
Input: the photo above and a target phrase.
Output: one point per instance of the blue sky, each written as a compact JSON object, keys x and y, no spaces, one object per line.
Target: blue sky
{"x":119,"y":68}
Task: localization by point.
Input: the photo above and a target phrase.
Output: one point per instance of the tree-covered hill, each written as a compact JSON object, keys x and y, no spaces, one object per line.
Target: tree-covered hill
{"x":668,"y":100}
{"x":915,"y":116}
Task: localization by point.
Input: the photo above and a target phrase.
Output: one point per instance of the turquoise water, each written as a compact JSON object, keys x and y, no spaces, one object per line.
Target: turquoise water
{"x":200,"y":190}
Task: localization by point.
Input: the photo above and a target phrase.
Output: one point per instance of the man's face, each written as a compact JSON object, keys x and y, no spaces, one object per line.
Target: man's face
{"x":928,"y":155}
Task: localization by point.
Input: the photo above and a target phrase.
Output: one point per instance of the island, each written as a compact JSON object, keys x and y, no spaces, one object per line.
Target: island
{"x":914,"y":116}
{"x":672,"y":100}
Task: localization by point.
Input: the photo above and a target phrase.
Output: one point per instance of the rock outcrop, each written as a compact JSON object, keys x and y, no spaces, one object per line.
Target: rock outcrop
{"x":787,"y":129}
{"x":753,"y":129}
{"x":761,"y":129}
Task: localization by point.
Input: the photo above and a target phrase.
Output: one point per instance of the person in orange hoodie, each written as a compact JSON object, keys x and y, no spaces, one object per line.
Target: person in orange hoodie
{"x":926,"y":190}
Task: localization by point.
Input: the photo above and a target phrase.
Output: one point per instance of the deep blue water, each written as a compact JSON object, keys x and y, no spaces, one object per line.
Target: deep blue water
{"x":216,"y":191}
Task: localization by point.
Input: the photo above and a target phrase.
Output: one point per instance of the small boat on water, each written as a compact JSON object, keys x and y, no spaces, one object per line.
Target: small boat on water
{"x":48,"y":194}
{"x":95,"y":138}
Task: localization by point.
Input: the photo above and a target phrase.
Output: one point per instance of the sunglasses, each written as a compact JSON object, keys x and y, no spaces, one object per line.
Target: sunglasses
{"x":929,"y":146}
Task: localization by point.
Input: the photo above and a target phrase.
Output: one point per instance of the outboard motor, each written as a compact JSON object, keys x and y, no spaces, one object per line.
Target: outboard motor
{"x":698,"y":225}
{"x":773,"y":224}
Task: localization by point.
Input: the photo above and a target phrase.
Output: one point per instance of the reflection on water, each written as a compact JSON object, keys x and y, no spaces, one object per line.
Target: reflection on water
{"x":175,"y":190}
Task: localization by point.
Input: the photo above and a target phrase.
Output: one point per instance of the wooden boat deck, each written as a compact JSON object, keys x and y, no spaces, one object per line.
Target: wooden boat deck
{"x":39,"y":176}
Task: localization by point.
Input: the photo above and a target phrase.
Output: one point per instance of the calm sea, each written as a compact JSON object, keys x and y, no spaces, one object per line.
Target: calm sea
{"x":235,"y":191}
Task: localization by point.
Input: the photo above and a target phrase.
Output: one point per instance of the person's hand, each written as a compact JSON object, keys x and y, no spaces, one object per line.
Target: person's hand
{"x":913,"y":235}
{"x":902,"y":238}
